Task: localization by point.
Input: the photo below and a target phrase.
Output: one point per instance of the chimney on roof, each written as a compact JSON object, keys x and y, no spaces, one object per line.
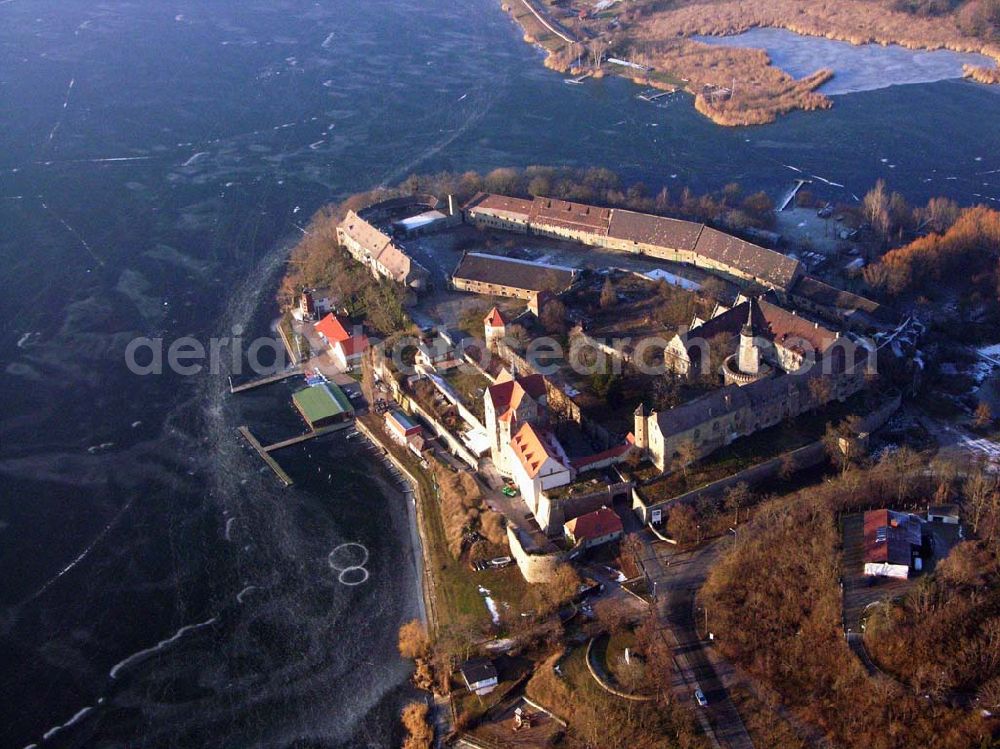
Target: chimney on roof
{"x":451,"y":205}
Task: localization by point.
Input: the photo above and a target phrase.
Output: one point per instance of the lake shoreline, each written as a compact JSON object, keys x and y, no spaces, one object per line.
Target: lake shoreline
{"x":710,"y":71}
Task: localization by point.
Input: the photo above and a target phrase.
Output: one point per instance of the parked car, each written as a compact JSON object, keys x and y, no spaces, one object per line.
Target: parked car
{"x":500,"y":562}
{"x":509,"y":491}
{"x":699,"y":697}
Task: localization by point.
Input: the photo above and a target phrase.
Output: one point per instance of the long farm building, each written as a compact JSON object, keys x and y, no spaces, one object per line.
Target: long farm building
{"x":627,"y":231}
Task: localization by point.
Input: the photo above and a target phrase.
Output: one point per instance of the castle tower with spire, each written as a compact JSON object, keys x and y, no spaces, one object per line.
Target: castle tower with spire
{"x":749,"y":352}
{"x":747,"y":364}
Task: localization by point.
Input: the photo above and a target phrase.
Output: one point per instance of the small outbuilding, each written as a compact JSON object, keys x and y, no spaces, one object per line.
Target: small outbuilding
{"x":401,"y":427}
{"x":947,"y":514}
{"x":595,"y":528}
{"x":480,"y":675}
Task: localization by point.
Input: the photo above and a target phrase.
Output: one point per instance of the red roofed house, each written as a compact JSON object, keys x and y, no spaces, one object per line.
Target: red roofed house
{"x":892,"y":543}
{"x":539,"y":463}
{"x":510,"y":402}
{"x":595,"y":528}
{"x":346,"y":349}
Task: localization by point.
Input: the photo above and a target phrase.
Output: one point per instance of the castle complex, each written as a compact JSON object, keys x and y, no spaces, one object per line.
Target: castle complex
{"x":775,"y":365}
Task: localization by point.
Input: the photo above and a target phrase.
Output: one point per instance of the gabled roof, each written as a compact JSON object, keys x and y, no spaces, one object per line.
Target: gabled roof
{"x":501,"y":206}
{"x":596,"y":524}
{"x":823,"y":294}
{"x":726,"y":400}
{"x":381,"y":248}
{"x":333,"y":328}
{"x":495,"y":318}
{"x":767,"y":265}
{"x":509,"y":393}
{"x":354,"y":345}
{"x":645,"y":228}
{"x":889,"y":537}
{"x":364,"y":234}
{"x":533,"y":446}
{"x":573,"y":216}
{"x":477,"y":670}
{"x":518,"y":274}
{"x":772,"y":322}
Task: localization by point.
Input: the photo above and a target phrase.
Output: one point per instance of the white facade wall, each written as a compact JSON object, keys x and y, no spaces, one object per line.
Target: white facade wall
{"x":883,"y":569}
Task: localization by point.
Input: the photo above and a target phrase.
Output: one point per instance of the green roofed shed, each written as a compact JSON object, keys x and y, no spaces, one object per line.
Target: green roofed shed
{"x":322,"y":405}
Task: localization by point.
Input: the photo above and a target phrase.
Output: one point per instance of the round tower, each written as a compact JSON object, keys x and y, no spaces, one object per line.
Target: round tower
{"x":641,"y":426}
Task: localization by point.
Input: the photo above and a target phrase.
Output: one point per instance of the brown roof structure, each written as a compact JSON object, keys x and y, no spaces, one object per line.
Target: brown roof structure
{"x":365,"y":234}
{"x":755,"y":396}
{"x":772,"y":322}
{"x":518,"y":274}
{"x":501,"y":205}
{"x":766,"y":265}
{"x":381,"y":248}
{"x":817,"y":292}
{"x":769,"y":267}
{"x":644,"y":228}
{"x":573,"y":216}
{"x":890,"y":537}
{"x":397,"y":262}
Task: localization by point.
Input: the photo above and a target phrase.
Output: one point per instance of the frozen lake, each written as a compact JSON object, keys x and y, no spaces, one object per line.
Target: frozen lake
{"x":865,"y":67}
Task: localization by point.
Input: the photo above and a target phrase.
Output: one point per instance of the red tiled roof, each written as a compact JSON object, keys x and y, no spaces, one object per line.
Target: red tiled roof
{"x":353,"y":345}
{"x":509,"y":394}
{"x":332,"y":328}
{"x":533,"y":446}
{"x":495,"y":318}
{"x":614,"y":452}
{"x":595,"y":524}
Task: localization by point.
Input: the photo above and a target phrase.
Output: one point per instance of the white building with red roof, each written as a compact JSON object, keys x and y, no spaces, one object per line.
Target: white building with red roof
{"x":510,"y":402}
{"x":494,"y":328}
{"x":346,"y":346}
{"x":595,"y":528}
{"x":538,"y":463}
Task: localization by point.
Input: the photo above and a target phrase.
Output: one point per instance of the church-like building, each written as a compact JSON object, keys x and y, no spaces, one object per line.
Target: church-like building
{"x":775,"y":365}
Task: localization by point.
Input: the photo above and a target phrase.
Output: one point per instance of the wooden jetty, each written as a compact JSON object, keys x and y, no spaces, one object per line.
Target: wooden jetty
{"x":579,"y":79}
{"x":262,"y":452}
{"x":792,"y":193}
{"x":298,"y":439}
{"x":284,"y":375}
{"x":646,"y":96}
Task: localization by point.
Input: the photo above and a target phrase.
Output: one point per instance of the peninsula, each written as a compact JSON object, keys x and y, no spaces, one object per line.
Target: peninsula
{"x":653,"y":43}
{"x":593,"y":391}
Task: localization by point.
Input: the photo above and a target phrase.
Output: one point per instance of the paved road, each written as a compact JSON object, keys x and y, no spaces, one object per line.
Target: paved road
{"x":675,"y":577}
{"x":957,"y":441}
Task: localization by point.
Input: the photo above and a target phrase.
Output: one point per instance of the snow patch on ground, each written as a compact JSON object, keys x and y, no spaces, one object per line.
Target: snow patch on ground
{"x":490,"y":604}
